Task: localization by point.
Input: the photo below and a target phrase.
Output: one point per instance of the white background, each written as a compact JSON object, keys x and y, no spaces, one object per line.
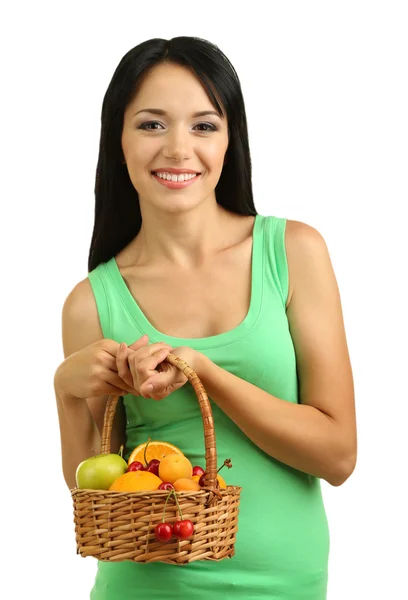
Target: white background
{"x":325,"y":87}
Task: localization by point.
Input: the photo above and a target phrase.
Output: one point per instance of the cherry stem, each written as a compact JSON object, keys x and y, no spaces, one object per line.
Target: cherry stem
{"x":145,"y":451}
{"x":227,"y":463}
{"x":165,"y":504}
{"x":178,"y":505}
{"x":121,"y":451}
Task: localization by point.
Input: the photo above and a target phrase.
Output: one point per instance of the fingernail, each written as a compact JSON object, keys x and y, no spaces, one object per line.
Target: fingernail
{"x":149,"y":388}
{"x":122,"y":347}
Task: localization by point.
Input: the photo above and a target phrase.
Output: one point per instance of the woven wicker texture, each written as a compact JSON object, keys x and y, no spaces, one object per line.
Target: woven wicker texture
{"x":117,"y":526}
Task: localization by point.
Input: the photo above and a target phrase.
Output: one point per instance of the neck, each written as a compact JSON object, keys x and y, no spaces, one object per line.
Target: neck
{"x":184,"y":240}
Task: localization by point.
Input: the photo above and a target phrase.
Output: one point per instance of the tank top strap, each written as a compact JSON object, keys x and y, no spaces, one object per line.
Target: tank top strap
{"x":276,"y":264}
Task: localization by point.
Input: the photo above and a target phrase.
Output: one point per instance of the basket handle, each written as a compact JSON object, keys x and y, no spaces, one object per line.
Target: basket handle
{"x":206,"y":414}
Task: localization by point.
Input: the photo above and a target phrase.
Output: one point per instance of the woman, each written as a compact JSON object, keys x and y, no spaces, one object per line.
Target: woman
{"x":249,"y":302}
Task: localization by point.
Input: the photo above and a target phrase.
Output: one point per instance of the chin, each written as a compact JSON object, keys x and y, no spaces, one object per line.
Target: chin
{"x":177,"y":205}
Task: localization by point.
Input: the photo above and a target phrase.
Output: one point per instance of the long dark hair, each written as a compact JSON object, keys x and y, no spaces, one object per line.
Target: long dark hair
{"x":117,"y":210}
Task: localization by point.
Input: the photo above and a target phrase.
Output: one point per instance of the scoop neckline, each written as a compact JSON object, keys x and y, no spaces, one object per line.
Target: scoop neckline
{"x":146,"y":327}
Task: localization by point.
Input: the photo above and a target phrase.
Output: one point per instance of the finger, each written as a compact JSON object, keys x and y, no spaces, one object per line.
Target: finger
{"x":114,"y":391}
{"x":118,"y":385}
{"x":121,"y":362}
{"x":110,"y":361}
{"x":108,"y":347}
{"x":158,"y":383}
{"x":159,"y":396}
{"x":143,"y":341}
{"x":147,"y":367}
{"x":123,"y":365}
{"x":147,"y":351}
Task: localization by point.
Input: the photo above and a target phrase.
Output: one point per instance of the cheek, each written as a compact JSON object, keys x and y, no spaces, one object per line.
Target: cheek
{"x":216,"y":149}
{"x":214,"y":155}
{"x":138,"y":150}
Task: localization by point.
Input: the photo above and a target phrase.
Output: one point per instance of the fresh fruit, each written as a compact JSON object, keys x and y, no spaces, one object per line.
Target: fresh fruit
{"x":196,"y":478}
{"x":163,"y":532}
{"x":166,"y":486}
{"x":227,"y":463}
{"x":135,"y":466}
{"x":223,"y":485}
{"x":182,"y":530}
{"x":153,"y":466}
{"x":99,"y":472}
{"x":198,"y":471}
{"x":156,"y":449}
{"x":175,"y":466}
{"x":221,"y":481}
{"x":185,"y":485}
{"x":136,"y":481}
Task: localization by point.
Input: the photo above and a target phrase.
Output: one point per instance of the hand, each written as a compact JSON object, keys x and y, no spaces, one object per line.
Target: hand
{"x":92,"y":371}
{"x":137,"y":362}
{"x":165,"y":380}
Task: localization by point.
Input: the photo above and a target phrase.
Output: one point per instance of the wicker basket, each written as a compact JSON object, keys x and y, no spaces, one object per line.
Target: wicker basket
{"x":118,"y":526}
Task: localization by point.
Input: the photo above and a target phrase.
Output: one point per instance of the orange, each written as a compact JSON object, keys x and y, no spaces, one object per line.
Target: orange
{"x":196,"y":478}
{"x":136,"y":481}
{"x":186,"y":485}
{"x":222,"y":483}
{"x":156,"y":449}
{"x":175,"y":466}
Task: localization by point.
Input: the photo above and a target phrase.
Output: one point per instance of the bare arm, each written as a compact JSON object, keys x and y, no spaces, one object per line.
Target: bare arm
{"x":81,"y":421}
{"x":317,"y":436}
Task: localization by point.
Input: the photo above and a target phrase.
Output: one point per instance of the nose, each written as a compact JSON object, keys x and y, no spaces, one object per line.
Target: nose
{"x":177,"y":145}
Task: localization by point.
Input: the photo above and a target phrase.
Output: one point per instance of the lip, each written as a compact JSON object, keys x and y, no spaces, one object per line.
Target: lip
{"x":176,"y":185}
{"x":175,"y":171}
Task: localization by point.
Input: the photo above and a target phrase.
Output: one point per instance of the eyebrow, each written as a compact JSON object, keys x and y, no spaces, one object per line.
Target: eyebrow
{"x":159,"y":111}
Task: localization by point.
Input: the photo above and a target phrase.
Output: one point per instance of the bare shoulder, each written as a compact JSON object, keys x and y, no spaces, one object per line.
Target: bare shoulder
{"x":317,"y":328}
{"x":80,"y":321}
{"x":304,"y":246}
{"x":302,"y":233}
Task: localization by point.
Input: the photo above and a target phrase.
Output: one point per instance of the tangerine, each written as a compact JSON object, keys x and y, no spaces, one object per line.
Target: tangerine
{"x":186,"y":485}
{"x":175,"y":466}
{"x":136,"y":481}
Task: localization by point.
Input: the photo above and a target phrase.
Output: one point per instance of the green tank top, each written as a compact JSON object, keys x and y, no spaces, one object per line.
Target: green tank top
{"x":282,"y":545}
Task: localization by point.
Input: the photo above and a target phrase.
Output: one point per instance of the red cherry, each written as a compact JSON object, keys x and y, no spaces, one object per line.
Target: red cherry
{"x":163,"y":532}
{"x":153,"y":466}
{"x":198,"y":471}
{"x":176,"y":528}
{"x":183,"y":529}
{"x":201,"y":481}
{"x":166,"y":486}
{"x":135,"y":466}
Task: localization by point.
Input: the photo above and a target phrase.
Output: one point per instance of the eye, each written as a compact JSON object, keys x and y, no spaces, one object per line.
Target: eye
{"x":147,"y":126}
{"x":210,"y":125}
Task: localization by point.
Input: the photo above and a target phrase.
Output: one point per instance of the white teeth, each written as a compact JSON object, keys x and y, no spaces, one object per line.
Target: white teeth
{"x":174,"y":177}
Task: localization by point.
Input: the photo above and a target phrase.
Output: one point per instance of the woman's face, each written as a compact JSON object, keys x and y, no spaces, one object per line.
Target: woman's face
{"x":175,"y":139}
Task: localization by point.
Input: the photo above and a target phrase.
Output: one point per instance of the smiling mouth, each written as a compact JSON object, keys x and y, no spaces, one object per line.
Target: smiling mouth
{"x":176,"y":184}
{"x":186,"y":176}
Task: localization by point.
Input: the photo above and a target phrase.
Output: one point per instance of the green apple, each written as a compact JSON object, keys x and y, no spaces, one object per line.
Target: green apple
{"x":99,"y":472}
